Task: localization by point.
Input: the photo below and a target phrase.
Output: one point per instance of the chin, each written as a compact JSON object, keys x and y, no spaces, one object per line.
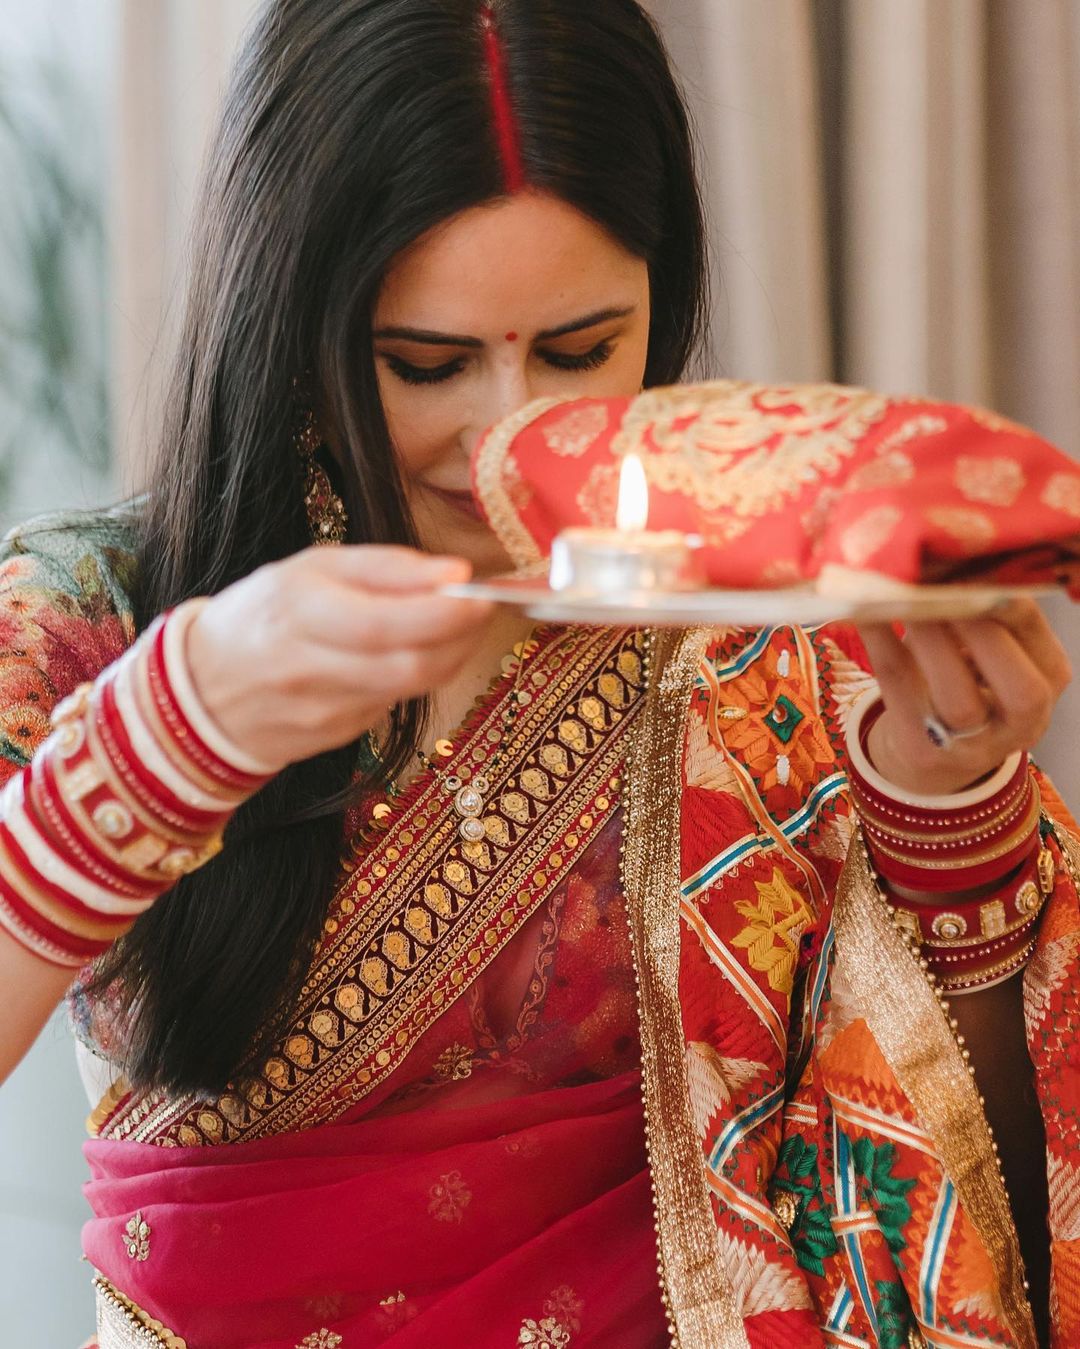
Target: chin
{"x":487,"y":556}
{"x":460,"y":534}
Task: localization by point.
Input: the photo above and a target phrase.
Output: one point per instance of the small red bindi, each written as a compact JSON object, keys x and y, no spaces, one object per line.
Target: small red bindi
{"x":511,"y":337}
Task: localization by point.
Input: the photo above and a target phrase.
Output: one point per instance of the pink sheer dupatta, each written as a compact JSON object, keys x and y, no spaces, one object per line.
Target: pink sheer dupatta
{"x":493,"y":1192}
{"x":526,"y":1221}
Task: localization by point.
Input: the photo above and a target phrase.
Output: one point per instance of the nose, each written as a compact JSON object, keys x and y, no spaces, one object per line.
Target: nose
{"x":505,"y":389}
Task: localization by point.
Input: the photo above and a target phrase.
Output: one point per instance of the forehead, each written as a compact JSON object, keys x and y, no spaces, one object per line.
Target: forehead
{"x":517,"y":262}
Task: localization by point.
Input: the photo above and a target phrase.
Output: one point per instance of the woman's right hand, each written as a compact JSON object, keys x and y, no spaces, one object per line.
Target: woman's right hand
{"x":306,"y":654}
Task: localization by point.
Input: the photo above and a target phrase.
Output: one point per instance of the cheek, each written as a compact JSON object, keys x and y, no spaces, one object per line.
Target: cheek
{"x":632,"y":369}
{"x":422,"y":423}
{"x":624,"y":374}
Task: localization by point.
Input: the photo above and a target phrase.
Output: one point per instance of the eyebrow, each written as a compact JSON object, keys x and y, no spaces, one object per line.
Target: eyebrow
{"x":456,"y":340}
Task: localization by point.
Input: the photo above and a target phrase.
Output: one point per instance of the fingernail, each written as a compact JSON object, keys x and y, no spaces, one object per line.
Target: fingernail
{"x":455,"y":567}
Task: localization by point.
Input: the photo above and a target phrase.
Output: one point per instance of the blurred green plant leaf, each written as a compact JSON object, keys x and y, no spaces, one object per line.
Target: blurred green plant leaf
{"x":53,"y":339}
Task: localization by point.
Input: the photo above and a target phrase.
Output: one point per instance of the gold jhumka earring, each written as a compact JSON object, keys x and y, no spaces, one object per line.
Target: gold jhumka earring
{"x":326,"y":515}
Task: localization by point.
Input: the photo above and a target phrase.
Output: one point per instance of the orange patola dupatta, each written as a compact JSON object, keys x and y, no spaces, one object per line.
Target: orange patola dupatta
{"x":823,"y":1169}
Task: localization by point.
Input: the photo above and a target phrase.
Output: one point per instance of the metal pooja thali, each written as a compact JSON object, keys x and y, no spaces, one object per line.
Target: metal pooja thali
{"x":804,"y":605}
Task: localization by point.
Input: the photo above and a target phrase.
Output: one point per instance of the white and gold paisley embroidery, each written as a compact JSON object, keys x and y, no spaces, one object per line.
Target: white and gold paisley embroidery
{"x":321,"y":1339}
{"x":137,"y":1238}
{"x":547,"y":1333}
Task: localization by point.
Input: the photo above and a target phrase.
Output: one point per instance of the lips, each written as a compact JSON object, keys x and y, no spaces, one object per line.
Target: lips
{"x":461,"y":501}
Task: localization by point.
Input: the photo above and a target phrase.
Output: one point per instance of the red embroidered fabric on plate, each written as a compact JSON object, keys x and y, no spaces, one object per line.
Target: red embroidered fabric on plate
{"x":782,"y":482}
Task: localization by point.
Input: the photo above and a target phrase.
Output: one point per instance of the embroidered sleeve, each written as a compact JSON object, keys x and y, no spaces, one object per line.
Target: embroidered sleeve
{"x":65,"y":614}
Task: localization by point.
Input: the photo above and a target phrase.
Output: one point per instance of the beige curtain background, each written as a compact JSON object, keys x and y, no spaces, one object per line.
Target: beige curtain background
{"x":894,"y":190}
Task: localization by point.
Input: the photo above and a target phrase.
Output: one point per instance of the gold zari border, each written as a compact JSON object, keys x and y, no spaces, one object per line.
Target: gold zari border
{"x":698,"y":1297}
{"x":122,"y":1324}
{"x":492,"y":488}
{"x":352,"y":1051}
{"x":902,"y":1013}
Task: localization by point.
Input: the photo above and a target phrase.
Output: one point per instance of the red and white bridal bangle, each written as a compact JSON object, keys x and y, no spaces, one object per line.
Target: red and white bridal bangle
{"x":131,"y":791}
{"x":982,"y":843}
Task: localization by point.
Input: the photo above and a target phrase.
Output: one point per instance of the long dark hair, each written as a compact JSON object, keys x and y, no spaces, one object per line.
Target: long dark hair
{"x":351,"y":128}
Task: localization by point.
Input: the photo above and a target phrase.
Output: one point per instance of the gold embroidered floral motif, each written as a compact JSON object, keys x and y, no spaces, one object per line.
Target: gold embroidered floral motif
{"x":137,"y":1238}
{"x":565,"y":1306}
{"x":454,"y":1063}
{"x":886,"y":470}
{"x":599,"y":495}
{"x":868,"y":534}
{"x":572,"y":435}
{"x":448,"y":1198}
{"x":920,"y":427}
{"x":777,"y":921}
{"x":743,"y":449}
{"x":545,"y":1334}
{"x":963,"y":523}
{"x":989,"y":481}
{"x":321,"y":1339}
{"x":1062,"y":493}
{"x":396,"y":1311}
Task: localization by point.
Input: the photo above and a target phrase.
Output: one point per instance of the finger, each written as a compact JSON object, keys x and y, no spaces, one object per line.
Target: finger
{"x":387,"y":567}
{"x":1023,"y":694}
{"x":896,"y":670}
{"x":952,"y":690}
{"x":374,"y":622}
{"x":395,"y":676}
{"x":1032,"y":628}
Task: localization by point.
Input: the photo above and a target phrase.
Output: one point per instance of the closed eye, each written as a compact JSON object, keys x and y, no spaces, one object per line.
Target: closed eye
{"x":589,"y":360}
{"x":439,"y":374}
{"x":424,"y":374}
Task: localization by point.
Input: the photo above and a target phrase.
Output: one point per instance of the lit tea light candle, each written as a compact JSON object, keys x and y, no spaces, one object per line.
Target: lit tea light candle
{"x":629,"y":558}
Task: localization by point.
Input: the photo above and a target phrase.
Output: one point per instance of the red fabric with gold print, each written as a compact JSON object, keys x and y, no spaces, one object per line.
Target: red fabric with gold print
{"x":783,"y":482}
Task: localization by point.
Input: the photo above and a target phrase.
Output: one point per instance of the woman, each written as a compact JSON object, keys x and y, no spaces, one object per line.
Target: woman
{"x":368,"y":1075}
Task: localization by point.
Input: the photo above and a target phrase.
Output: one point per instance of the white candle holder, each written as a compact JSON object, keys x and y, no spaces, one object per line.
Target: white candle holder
{"x":620,"y":562}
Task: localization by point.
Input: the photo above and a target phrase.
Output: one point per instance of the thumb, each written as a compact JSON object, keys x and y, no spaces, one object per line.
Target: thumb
{"x":394,"y":569}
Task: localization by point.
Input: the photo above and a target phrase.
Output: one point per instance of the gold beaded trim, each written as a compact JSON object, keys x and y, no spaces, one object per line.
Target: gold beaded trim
{"x":980,"y":826}
{"x":122,"y":1324}
{"x":1011,"y":841}
{"x":985,"y":978}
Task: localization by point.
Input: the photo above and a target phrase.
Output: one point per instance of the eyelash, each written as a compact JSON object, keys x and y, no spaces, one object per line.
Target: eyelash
{"x":439,"y":374}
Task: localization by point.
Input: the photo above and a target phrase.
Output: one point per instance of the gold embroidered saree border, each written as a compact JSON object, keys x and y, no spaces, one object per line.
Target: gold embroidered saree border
{"x":905,"y":1019}
{"x":122,"y":1324}
{"x":492,"y":487}
{"x":377,"y":987}
{"x":698,"y":1297}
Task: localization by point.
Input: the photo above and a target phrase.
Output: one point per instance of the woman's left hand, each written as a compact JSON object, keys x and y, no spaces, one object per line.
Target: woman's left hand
{"x":990,"y":684}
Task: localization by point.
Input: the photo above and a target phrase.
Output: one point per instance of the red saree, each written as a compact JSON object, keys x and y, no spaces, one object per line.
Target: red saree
{"x":489,"y":1188}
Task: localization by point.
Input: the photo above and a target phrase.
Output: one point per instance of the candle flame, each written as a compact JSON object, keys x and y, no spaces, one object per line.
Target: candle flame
{"x":632,"y":512}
